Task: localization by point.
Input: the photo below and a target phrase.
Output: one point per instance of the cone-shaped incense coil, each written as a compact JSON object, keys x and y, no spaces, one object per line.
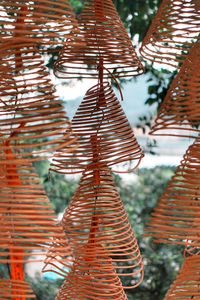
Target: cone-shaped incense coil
{"x":176,"y":218}
{"x":102,"y":36}
{"x":97,"y":214}
{"x":92,"y":276}
{"x":47,"y":22}
{"x":101,"y":118}
{"x":27,"y":221}
{"x":15,"y":289}
{"x":187,"y":283}
{"x":172,"y":32}
{"x":179,"y":114}
{"x":32,"y":119}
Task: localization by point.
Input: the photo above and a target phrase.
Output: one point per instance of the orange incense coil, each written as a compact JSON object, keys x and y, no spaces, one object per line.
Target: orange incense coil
{"x":187,"y":283}
{"x":15,"y":289}
{"x":27,"y":221}
{"x":92,"y":277}
{"x":175,"y":220}
{"x":32,"y":119}
{"x":99,"y":117}
{"x":180,"y":112}
{"x":172,"y":32}
{"x":96,"y":214}
{"x":101,"y":36}
{"x":54,"y":261}
{"x":46,"y":22}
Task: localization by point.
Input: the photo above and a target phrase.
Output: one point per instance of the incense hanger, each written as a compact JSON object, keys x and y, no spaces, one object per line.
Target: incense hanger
{"x":179,"y":113}
{"x":92,"y":276}
{"x":28,"y":225}
{"x":186,"y":284}
{"x":175,"y":220}
{"x":101,"y":36}
{"x":32,"y":119}
{"x":97,"y":214}
{"x":46,"y":23}
{"x":99,"y":116}
{"x":172,"y":32}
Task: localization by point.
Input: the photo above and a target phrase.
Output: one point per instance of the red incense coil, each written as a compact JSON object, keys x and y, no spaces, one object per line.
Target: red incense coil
{"x":175,"y":220}
{"x":172,"y":32}
{"x":187,"y":283}
{"x":92,"y":277}
{"x":99,"y":115}
{"x":28,"y":226}
{"x":96,"y":214}
{"x":29,"y":107}
{"x":46,"y":22}
{"x":101,"y":36}
{"x":179,"y":114}
{"x":15,"y":290}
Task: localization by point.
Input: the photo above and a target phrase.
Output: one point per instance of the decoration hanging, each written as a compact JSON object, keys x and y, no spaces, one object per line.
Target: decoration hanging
{"x":28,"y":226}
{"x":101,"y":36}
{"x":186,"y":285}
{"x":32,"y":119}
{"x":175,"y":220}
{"x":96,"y":213}
{"x":172,"y":32}
{"x":179,"y":113}
{"x":99,"y":116}
{"x":92,"y":276}
{"x":46,"y":23}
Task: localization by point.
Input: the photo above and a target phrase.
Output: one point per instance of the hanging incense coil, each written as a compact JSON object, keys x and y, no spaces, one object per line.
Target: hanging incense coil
{"x":179,"y":114}
{"x":46,"y":22}
{"x":54,"y":261}
{"x":92,"y":276}
{"x":27,"y":221}
{"x":97,"y":214}
{"x":99,"y":117}
{"x":15,"y":289}
{"x":175,"y":220}
{"x":187,"y":283}
{"x":32,"y":119}
{"x":101,"y":36}
{"x":172,"y":32}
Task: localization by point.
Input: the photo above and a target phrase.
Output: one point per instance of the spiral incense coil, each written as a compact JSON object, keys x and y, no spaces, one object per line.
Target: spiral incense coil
{"x":172,"y":32}
{"x":55,"y":263}
{"x":97,"y":214}
{"x":92,"y":276}
{"x":180,"y":112}
{"x":32,"y":119}
{"x":187,"y":283}
{"x":46,"y":22}
{"x":101,"y":36}
{"x":101,"y":118}
{"x":15,"y":289}
{"x":27,"y":221}
{"x":176,"y":218}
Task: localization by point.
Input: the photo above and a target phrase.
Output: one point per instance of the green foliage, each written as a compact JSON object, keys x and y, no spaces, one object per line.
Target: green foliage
{"x":137,"y":15}
{"x":44,"y":289}
{"x":159,"y":84}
